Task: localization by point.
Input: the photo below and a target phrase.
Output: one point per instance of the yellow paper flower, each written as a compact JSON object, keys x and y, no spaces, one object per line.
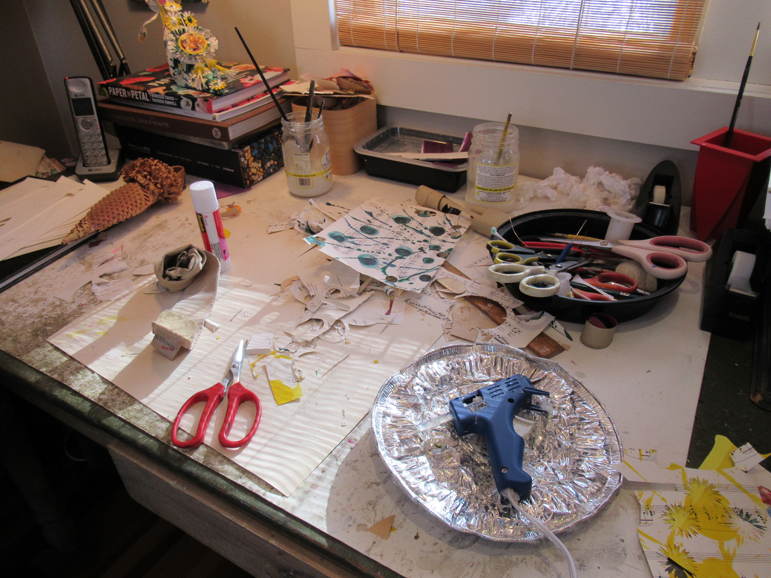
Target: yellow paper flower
{"x":679,"y":561}
{"x":712,"y":510}
{"x":683,"y":521}
{"x":188,"y":19}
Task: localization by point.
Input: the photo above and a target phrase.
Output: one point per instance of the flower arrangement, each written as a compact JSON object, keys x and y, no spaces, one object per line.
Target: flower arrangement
{"x":189,"y":49}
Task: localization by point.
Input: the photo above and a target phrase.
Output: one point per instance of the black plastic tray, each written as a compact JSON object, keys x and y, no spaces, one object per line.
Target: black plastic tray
{"x":374,"y":151}
{"x":577,"y":310}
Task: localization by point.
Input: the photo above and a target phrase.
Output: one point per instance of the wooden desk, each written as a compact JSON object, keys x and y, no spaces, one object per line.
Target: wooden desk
{"x":648,"y":380}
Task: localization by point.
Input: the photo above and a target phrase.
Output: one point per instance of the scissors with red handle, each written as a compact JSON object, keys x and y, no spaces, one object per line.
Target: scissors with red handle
{"x":613,"y":281}
{"x":237,"y":394}
{"x":663,"y":257}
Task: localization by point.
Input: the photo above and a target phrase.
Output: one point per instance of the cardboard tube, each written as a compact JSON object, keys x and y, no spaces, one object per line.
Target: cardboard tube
{"x":482,"y":224}
{"x":598,"y":331}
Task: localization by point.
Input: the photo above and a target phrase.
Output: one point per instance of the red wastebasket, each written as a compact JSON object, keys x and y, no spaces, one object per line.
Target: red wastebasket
{"x":728,"y":181}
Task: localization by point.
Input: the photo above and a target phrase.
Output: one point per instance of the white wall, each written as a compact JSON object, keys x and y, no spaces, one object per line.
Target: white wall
{"x":567,"y":118}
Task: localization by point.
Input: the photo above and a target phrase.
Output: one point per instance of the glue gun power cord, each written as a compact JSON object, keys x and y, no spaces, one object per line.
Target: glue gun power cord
{"x":514,"y":500}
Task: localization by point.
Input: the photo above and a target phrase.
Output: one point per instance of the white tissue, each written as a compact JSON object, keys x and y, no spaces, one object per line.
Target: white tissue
{"x":600,"y":190}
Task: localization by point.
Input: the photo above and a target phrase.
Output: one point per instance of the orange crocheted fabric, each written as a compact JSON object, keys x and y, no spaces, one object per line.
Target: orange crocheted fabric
{"x":147,"y":181}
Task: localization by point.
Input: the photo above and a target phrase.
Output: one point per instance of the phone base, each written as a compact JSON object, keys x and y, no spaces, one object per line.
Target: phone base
{"x":109,"y":172}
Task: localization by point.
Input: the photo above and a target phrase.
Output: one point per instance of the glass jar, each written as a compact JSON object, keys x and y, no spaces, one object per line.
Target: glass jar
{"x":307,"y":161}
{"x":493,"y":166}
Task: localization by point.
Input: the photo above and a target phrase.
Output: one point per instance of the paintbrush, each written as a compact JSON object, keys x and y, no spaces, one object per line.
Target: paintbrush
{"x":309,"y":108}
{"x":262,"y":76}
{"x":729,"y":135}
{"x":503,"y":139}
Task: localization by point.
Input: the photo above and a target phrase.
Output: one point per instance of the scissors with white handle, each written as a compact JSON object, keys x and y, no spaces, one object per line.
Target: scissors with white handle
{"x":663,"y":257}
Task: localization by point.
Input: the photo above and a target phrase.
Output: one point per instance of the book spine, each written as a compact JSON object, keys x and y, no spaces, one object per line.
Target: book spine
{"x":146,"y":120}
{"x":242,"y":166}
{"x":143,"y":96}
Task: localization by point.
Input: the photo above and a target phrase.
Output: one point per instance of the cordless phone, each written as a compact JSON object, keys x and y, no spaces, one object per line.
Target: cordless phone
{"x":96,"y":162}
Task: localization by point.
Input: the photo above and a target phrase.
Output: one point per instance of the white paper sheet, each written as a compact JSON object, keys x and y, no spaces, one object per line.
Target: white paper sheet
{"x":402,"y":246}
{"x":293,"y":438}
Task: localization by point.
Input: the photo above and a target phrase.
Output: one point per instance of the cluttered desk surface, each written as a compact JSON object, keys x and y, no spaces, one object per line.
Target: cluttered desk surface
{"x":316,"y":457}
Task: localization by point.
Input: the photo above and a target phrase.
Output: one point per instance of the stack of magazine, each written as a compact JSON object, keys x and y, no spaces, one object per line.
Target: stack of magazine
{"x":232,"y":138}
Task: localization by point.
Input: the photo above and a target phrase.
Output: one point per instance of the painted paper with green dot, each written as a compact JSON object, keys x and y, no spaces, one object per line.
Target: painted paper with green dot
{"x":401,"y":245}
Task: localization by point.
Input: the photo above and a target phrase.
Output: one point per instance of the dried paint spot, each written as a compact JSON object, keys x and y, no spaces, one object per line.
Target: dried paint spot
{"x":368,"y":260}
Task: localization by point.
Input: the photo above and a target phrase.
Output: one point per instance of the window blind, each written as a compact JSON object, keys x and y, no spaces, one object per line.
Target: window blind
{"x":652,"y":38}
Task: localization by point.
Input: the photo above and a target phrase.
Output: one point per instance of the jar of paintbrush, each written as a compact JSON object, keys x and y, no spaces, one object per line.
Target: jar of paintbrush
{"x":307,"y":161}
{"x":493,"y":166}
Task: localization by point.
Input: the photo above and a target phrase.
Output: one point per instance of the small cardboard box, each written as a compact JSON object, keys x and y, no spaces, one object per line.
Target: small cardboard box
{"x":345,"y":128}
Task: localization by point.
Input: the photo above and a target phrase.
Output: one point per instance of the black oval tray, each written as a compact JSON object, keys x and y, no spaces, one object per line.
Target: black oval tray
{"x":569,"y":221}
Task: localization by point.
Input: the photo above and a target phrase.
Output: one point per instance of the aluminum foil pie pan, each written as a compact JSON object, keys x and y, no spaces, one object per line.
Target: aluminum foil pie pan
{"x":568,"y":453}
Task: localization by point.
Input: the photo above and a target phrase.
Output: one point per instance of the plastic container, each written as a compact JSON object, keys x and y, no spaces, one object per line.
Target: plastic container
{"x":728,"y":181}
{"x":210,"y":222}
{"x":493,"y":167}
{"x":377,"y":150}
{"x":307,"y":160}
{"x":575,"y":310}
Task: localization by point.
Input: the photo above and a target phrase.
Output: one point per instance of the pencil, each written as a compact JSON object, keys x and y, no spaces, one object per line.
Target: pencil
{"x":729,"y":135}
{"x":262,"y":76}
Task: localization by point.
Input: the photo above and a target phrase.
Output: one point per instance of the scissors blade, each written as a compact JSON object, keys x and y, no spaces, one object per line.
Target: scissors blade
{"x":233,"y":374}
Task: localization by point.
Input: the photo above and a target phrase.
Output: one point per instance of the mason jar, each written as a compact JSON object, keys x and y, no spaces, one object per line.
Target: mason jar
{"x":493,"y":166}
{"x":307,"y":162}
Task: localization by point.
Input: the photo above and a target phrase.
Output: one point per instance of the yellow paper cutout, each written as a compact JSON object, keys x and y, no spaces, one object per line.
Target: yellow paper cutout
{"x":720,"y":456}
{"x":282,"y":393}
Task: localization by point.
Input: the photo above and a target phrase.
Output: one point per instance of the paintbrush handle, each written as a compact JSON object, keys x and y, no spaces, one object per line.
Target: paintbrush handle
{"x":729,"y":135}
{"x":262,"y":76}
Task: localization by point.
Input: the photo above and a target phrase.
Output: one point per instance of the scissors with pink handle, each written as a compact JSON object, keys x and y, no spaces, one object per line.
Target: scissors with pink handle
{"x":237,"y":394}
{"x":663,"y":257}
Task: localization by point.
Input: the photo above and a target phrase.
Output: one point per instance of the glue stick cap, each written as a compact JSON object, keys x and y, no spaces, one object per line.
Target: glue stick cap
{"x":204,"y":197}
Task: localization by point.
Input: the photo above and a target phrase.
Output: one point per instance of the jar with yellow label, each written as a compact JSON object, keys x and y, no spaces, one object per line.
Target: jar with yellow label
{"x":493,"y":166}
{"x":307,"y":161}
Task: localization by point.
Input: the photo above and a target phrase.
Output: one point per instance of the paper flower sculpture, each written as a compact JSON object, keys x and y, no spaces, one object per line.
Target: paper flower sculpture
{"x":189,"y":49}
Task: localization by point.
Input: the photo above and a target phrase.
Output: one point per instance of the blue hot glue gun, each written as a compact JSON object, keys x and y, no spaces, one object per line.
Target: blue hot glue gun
{"x":490,"y":412}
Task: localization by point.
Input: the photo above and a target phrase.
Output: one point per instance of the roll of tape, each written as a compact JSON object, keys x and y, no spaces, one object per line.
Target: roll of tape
{"x":660,"y":194}
{"x":621,"y":225}
{"x":742,"y":265}
{"x":543,"y":285}
{"x":599,"y":330}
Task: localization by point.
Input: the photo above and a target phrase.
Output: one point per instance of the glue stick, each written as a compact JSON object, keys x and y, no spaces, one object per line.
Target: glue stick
{"x":210,"y":222}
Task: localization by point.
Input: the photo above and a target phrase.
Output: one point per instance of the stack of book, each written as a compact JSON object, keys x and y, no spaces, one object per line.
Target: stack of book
{"x":232,"y":138}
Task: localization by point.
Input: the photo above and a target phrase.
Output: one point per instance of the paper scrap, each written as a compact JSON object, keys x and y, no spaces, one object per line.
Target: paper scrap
{"x":329,"y":279}
{"x":282,"y":381}
{"x":278,"y":227}
{"x":702,"y":522}
{"x":379,"y":308}
{"x":107,"y":291}
{"x":383,"y":527}
{"x":18,"y":160}
{"x":432,"y":305}
{"x":519,"y":330}
{"x":401,"y":246}
{"x":746,"y":457}
{"x":260,"y":344}
{"x":714,"y":525}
